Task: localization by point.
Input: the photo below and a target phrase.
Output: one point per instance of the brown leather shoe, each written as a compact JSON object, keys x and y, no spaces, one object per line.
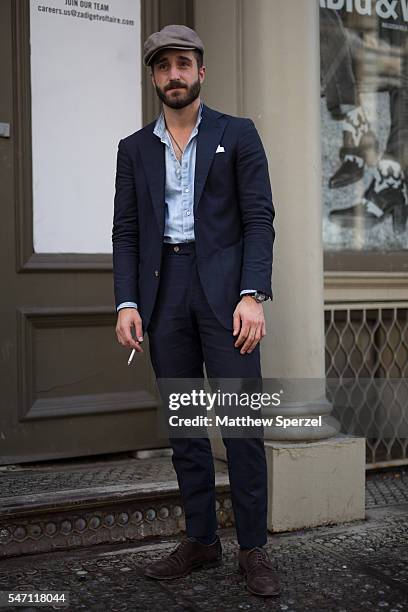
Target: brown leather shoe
{"x":186,"y":557}
{"x":261,"y":575}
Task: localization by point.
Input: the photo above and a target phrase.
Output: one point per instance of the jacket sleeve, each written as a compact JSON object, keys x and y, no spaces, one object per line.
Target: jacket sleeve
{"x":125,"y":232}
{"x":257,"y":210}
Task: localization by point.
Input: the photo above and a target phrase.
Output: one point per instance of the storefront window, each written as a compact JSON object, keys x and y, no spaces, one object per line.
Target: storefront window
{"x":364,"y":110}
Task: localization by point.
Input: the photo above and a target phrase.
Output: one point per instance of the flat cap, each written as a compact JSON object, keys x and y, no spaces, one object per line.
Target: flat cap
{"x":171,"y":37}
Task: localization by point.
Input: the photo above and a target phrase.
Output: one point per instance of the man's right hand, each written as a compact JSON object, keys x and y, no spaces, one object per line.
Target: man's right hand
{"x":128,"y":318}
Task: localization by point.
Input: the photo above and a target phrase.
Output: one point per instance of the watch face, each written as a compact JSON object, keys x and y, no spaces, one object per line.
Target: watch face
{"x":260,"y":297}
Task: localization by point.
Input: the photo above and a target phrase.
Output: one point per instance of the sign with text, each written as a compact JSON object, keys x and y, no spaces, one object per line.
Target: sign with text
{"x":86,"y":96}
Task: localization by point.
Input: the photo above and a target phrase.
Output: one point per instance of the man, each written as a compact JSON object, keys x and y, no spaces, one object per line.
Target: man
{"x":192,"y":254}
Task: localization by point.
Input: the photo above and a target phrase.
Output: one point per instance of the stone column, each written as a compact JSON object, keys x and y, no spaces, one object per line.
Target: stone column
{"x":274,"y":47}
{"x":281,"y":91}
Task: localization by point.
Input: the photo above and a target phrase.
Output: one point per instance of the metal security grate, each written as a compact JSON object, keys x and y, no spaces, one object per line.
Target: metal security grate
{"x":367,"y":374}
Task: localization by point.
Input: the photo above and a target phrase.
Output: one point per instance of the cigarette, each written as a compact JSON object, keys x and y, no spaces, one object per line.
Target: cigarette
{"x":132,"y":354}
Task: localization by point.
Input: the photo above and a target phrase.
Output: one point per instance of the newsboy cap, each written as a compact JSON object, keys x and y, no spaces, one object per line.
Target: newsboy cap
{"x":171,"y":37}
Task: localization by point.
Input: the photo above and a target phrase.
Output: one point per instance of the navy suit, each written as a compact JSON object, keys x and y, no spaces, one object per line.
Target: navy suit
{"x":187,"y":295}
{"x":233,"y":215}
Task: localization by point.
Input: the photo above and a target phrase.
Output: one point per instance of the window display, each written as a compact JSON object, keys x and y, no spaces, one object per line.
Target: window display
{"x":364,"y":110}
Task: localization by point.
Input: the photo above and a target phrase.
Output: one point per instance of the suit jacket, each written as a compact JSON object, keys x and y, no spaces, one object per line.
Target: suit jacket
{"x":233,"y":215}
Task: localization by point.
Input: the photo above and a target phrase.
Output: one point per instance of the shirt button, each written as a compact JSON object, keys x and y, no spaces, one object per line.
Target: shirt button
{"x":186,"y":190}
{"x":156,"y":273}
{"x":188,"y":212}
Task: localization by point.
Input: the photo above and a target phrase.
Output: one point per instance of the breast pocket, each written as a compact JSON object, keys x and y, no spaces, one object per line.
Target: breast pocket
{"x":221,"y":172}
{"x":221,"y":159}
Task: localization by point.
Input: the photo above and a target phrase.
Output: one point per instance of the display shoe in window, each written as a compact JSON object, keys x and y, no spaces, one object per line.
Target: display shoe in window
{"x":386,"y":196}
{"x":360,"y":147}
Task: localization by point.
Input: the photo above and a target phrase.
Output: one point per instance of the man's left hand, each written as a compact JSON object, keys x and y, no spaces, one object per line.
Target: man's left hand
{"x":249,"y":320}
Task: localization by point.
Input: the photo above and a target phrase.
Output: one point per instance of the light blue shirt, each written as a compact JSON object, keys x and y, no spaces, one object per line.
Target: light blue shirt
{"x":179,"y":189}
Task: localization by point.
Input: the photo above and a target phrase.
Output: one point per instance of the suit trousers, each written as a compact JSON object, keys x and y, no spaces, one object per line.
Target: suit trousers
{"x":184,"y":334}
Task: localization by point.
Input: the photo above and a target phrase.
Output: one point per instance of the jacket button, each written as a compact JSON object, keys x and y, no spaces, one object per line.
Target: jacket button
{"x":156,"y":273}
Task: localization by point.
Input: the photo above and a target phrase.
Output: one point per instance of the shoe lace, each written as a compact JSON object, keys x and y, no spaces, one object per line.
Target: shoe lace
{"x":259,"y":557}
{"x":176,"y":557}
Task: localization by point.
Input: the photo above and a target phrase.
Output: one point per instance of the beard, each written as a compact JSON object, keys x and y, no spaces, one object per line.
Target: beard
{"x":187,"y":94}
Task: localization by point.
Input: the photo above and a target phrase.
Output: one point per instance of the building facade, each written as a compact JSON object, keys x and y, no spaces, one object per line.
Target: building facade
{"x":325,"y":85}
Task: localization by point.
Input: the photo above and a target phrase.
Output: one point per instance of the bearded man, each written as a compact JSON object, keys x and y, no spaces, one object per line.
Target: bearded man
{"x":192,"y":253}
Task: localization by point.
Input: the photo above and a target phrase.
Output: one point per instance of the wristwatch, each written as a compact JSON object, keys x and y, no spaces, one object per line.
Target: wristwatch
{"x":259,"y":296}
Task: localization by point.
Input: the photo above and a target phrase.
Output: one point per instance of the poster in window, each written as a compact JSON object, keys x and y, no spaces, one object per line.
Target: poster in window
{"x":364,"y":110}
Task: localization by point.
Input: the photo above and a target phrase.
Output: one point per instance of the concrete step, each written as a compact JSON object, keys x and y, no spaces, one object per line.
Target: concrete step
{"x":67,"y":504}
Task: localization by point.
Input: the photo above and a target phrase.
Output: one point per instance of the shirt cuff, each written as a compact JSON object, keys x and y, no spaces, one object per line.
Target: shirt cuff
{"x":248,"y":291}
{"x":126,"y":305}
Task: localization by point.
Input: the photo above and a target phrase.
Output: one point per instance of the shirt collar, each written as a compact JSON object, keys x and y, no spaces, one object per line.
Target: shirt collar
{"x":160,"y":126}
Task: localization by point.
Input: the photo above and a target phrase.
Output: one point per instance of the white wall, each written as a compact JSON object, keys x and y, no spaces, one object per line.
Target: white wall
{"x":86,"y":95}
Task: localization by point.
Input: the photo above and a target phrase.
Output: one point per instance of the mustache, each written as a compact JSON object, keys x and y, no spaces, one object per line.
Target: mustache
{"x":173,"y":84}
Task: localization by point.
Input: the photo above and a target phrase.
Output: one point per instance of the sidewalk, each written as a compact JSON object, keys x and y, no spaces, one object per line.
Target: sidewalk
{"x":345,"y":568}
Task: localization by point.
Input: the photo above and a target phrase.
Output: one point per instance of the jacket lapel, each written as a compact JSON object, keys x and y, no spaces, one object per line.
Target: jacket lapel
{"x":153,"y":159}
{"x":209,"y":135}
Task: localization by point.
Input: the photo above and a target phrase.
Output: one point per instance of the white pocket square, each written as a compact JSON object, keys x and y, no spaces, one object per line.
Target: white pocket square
{"x":220,"y":149}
